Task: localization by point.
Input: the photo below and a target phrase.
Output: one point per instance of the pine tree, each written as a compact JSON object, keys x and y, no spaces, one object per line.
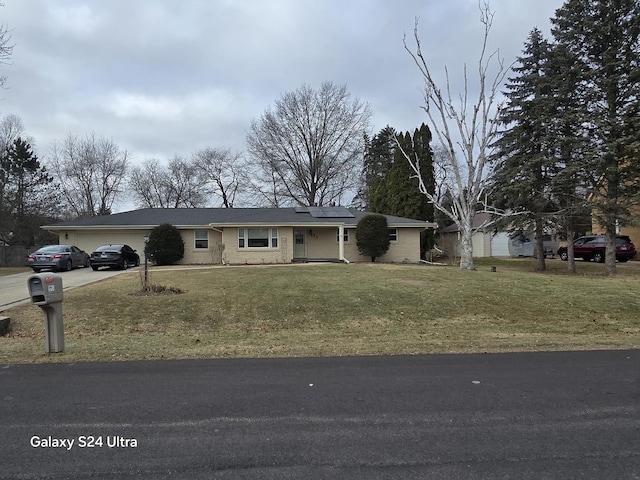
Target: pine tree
{"x":27,"y":195}
{"x":525,"y":161}
{"x":603,"y":35}
{"x":573,"y":179}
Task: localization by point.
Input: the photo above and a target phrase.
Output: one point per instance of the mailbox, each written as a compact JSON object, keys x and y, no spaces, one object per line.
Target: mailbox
{"x":45,"y":288}
{"x":45,"y":291}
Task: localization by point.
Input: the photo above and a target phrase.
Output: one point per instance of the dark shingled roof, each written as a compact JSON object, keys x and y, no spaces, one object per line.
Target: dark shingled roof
{"x":191,"y":217}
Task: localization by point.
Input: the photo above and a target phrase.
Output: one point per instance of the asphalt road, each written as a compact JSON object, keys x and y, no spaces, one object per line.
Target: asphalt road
{"x":515,"y":416}
{"x":14,"y":291}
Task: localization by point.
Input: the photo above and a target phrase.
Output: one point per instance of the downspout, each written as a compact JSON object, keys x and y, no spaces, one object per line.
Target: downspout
{"x":341,"y":244}
{"x":222,"y":259}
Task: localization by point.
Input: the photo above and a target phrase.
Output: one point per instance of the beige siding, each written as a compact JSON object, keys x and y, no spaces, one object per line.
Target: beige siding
{"x":450,"y":243}
{"x":90,"y":240}
{"x":481,"y":244}
{"x":235,"y":255}
{"x":202,"y":256}
{"x":321,"y":243}
{"x":405,"y":249}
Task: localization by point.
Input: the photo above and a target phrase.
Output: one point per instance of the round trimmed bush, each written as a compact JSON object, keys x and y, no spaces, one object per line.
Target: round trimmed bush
{"x":165,"y":245}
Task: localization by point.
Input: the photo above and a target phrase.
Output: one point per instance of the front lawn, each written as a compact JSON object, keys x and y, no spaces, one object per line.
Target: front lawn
{"x":336,"y":309}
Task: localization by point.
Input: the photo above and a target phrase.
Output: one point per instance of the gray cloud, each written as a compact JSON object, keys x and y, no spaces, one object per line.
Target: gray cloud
{"x":162,"y":77}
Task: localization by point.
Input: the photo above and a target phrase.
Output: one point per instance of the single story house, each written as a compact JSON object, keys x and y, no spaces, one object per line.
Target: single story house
{"x":248,"y":235}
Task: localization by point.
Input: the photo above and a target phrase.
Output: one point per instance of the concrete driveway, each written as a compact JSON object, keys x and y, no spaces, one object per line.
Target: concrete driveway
{"x":13,"y":288}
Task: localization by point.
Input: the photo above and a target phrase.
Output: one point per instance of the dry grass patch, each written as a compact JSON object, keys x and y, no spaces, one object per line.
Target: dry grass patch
{"x":316,"y":310}
{"x":4,"y":271}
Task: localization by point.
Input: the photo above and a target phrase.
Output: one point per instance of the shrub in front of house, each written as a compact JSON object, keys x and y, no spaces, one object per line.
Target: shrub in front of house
{"x":165,"y":246}
{"x":372,"y":236}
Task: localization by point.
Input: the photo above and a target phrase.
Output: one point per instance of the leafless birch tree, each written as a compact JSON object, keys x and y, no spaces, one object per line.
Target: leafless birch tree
{"x":465,"y":128}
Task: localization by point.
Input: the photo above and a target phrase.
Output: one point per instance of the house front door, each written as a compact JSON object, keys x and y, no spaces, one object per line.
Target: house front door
{"x":299,"y":244}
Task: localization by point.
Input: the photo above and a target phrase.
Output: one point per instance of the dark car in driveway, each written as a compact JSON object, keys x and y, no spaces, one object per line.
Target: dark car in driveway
{"x":57,"y":257}
{"x":592,"y":247}
{"x":115,"y":256}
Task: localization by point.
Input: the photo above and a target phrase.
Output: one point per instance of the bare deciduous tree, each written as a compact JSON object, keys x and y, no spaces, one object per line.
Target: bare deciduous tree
{"x":465,"y":130}
{"x":90,"y":172}
{"x":180,"y":184}
{"x":264,"y":188}
{"x":6,"y":49}
{"x":309,"y":149}
{"x":11,"y":127}
{"x":223,"y":171}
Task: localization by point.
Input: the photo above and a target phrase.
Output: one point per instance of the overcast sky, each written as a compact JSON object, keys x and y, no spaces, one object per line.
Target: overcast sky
{"x":168,"y":77}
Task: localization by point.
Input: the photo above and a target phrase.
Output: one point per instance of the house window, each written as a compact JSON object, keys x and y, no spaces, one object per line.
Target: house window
{"x":345,"y":235}
{"x":241,"y":238}
{"x":201,"y":239}
{"x":393,"y":234}
{"x":258,"y":237}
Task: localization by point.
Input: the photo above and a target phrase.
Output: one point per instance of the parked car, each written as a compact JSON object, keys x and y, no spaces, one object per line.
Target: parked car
{"x":58,"y":257}
{"x":593,"y":246}
{"x":114,"y":255}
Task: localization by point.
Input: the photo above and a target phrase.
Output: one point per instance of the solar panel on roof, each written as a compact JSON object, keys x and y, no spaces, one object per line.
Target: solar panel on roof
{"x":330,"y":212}
{"x":301,"y":209}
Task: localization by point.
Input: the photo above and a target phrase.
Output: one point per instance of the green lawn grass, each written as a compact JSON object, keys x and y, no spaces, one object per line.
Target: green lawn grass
{"x":336,"y":309}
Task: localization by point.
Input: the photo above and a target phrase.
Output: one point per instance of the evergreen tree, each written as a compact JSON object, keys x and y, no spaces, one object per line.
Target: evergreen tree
{"x":405,"y":200}
{"x":403,"y":194}
{"x":378,"y":162}
{"x":394,"y":186}
{"x":525,"y":165}
{"x":27,"y":195}
{"x":603,"y":36}
{"x":573,"y":179}
{"x":372,"y":236}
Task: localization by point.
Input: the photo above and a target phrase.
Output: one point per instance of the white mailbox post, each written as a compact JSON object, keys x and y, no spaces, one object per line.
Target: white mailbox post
{"x":45,"y":290}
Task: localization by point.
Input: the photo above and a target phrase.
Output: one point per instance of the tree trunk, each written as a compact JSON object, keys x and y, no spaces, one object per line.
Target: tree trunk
{"x":466,"y":244}
{"x":571,"y":259}
{"x":465,"y":130}
{"x":540,"y":263}
{"x":610,"y":252}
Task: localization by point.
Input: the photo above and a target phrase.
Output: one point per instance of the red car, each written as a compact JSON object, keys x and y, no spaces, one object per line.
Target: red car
{"x":593,"y":246}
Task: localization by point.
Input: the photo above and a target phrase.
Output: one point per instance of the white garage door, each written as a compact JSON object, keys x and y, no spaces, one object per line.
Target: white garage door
{"x":500,"y":245}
